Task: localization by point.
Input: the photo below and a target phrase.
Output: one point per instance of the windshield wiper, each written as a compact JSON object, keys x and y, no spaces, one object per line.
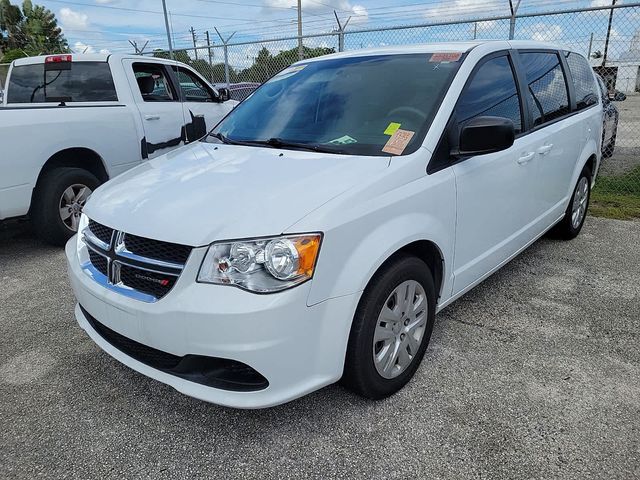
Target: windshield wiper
{"x":313,"y":147}
{"x":228,"y":141}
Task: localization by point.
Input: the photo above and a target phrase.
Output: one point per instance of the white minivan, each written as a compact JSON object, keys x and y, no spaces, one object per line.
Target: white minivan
{"x":313,"y":235}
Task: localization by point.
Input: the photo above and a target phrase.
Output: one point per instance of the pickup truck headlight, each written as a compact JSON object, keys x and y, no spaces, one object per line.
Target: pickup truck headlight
{"x":262,"y":265}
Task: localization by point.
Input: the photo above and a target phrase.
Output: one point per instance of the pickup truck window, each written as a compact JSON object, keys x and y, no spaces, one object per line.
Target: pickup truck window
{"x":83,"y":82}
{"x":193,"y":89}
{"x":153,"y":82}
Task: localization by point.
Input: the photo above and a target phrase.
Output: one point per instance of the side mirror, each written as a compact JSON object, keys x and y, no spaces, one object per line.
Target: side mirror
{"x":619,"y":97}
{"x":224,"y":94}
{"x":483,"y":135}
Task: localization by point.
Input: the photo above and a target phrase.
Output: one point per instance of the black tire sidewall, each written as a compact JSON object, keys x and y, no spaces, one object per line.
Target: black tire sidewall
{"x":45,"y":214}
{"x":360,"y":371}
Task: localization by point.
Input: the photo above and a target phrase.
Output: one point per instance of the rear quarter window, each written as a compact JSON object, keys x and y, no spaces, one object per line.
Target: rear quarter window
{"x":583,"y":81}
{"x":84,"y":82}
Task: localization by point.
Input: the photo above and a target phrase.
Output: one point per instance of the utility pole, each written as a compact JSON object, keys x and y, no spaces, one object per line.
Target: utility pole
{"x":210,"y":56}
{"x":166,"y":25}
{"x":512,"y":21}
{"x":341,"y":29}
{"x":300,"y":49}
{"x":193,"y":37}
{"x":606,"y":42}
{"x":590,"y":46}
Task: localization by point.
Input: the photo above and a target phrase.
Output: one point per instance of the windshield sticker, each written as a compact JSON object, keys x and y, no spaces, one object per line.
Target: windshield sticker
{"x":398,"y":142}
{"x":344,"y":140}
{"x":288,"y":72}
{"x":392,"y":128}
{"x":445,"y":57}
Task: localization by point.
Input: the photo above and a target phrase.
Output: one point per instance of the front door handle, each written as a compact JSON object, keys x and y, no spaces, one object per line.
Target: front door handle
{"x":543,"y":150}
{"x":152,"y":117}
{"x":527,"y":157}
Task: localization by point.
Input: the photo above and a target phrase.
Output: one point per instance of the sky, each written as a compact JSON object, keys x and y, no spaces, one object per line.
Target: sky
{"x":108,"y":25}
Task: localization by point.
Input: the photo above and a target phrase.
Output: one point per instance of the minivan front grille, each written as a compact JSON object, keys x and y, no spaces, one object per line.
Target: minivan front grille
{"x":142,"y":268}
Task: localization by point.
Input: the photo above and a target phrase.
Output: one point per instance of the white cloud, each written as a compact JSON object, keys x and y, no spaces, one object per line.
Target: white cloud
{"x":544,"y":32}
{"x":80,"y":47}
{"x":344,"y":8}
{"x":73,"y":20}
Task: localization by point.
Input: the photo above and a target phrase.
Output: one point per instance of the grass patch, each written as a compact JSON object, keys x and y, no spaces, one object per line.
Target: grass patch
{"x":617,"y":196}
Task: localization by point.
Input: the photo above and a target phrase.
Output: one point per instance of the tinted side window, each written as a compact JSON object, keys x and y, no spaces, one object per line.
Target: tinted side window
{"x":547,"y":90}
{"x":153,"y":82}
{"x":193,"y":89}
{"x":83,"y":82}
{"x":584,"y":85}
{"x":492,"y":91}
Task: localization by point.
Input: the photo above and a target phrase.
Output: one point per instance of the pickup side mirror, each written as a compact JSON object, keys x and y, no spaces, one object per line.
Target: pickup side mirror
{"x":223,"y":94}
{"x":483,"y":135}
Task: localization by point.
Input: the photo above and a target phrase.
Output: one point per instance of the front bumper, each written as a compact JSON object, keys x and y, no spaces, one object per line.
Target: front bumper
{"x":297,"y":348}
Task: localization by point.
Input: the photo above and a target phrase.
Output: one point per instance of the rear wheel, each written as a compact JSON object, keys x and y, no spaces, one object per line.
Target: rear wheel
{"x":59,"y":198}
{"x":570,"y":226}
{"x":391,"y":328}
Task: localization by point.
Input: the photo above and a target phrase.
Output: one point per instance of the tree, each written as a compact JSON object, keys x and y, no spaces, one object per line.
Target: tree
{"x":266,"y":65}
{"x":32,"y":30}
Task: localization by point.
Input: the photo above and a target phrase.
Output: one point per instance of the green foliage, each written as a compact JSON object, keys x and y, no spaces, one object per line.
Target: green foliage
{"x":32,"y":30}
{"x":617,"y":196}
{"x":264,"y":65}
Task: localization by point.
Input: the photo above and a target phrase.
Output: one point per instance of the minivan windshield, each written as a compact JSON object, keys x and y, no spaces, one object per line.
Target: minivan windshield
{"x":349,"y":105}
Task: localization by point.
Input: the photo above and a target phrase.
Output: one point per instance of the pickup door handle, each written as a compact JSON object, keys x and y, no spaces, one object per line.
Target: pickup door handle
{"x":545,"y":149}
{"x":526,"y":157}
{"x":152,"y":117}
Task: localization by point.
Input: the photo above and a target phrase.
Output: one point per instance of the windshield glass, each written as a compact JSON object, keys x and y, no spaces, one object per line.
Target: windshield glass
{"x":346,"y":105}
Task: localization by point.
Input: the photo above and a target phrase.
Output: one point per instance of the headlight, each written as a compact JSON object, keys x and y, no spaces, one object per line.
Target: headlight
{"x":262,"y":265}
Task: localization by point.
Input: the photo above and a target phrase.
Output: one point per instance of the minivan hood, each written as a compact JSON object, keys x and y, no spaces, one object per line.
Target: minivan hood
{"x":207,"y":192}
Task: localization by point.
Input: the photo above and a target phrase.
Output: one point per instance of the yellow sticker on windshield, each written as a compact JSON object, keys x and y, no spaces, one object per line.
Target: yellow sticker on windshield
{"x":392,"y":128}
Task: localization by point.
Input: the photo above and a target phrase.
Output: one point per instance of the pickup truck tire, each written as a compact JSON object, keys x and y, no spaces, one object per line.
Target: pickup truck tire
{"x":48,"y":199}
{"x":384,"y":322}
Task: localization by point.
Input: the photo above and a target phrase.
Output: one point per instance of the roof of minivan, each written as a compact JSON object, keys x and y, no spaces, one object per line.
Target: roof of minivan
{"x":439,"y":47}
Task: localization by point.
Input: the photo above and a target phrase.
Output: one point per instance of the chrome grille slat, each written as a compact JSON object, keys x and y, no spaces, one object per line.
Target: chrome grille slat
{"x":146,"y":278}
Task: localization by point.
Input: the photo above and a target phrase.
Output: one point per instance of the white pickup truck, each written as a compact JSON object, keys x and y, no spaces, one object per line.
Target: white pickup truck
{"x":71,"y":122}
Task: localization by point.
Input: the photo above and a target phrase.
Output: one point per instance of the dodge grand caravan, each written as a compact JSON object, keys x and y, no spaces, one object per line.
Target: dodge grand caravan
{"x":315,"y":232}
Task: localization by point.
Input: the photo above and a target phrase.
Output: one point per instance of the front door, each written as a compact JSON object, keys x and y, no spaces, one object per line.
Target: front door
{"x":200,"y":106}
{"x":159,"y":106}
{"x":494,"y":191}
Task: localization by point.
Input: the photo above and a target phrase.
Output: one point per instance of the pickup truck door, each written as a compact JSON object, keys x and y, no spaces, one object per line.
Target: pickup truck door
{"x":200,"y":106}
{"x":159,"y":105}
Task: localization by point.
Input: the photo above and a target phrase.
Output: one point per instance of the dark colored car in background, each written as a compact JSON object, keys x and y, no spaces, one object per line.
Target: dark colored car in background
{"x":610,"y":117}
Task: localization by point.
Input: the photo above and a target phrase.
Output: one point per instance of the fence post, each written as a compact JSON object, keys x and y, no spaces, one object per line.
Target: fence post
{"x":225,"y":44}
{"x":512,"y":21}
{"x":341,"y":29}
{"x":210,"y":56}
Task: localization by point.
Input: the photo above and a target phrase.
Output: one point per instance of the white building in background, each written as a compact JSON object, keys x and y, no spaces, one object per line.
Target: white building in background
{"x":628,"y":75}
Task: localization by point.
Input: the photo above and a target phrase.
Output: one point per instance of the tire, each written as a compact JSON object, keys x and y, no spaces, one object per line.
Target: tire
{"x":46,"y":207}
{"x":607,"y":152}
{"x":568,"y":228}
{"x":362,"y":374}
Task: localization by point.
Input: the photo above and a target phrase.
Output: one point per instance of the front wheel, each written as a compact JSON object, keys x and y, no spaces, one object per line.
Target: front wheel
{"x":58,"y":201}
{"x":391,"y":328}
{"x":570,"y":226}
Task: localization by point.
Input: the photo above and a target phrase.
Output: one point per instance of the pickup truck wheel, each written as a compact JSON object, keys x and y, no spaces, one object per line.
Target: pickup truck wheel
{"x":59,"y":198}
{"x":569,"y":227}
{"x":391,"y":328}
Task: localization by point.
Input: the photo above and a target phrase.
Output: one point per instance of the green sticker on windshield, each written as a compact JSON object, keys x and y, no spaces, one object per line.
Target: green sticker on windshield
{"x":392,"y":128}
{"x":344,"y":140}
